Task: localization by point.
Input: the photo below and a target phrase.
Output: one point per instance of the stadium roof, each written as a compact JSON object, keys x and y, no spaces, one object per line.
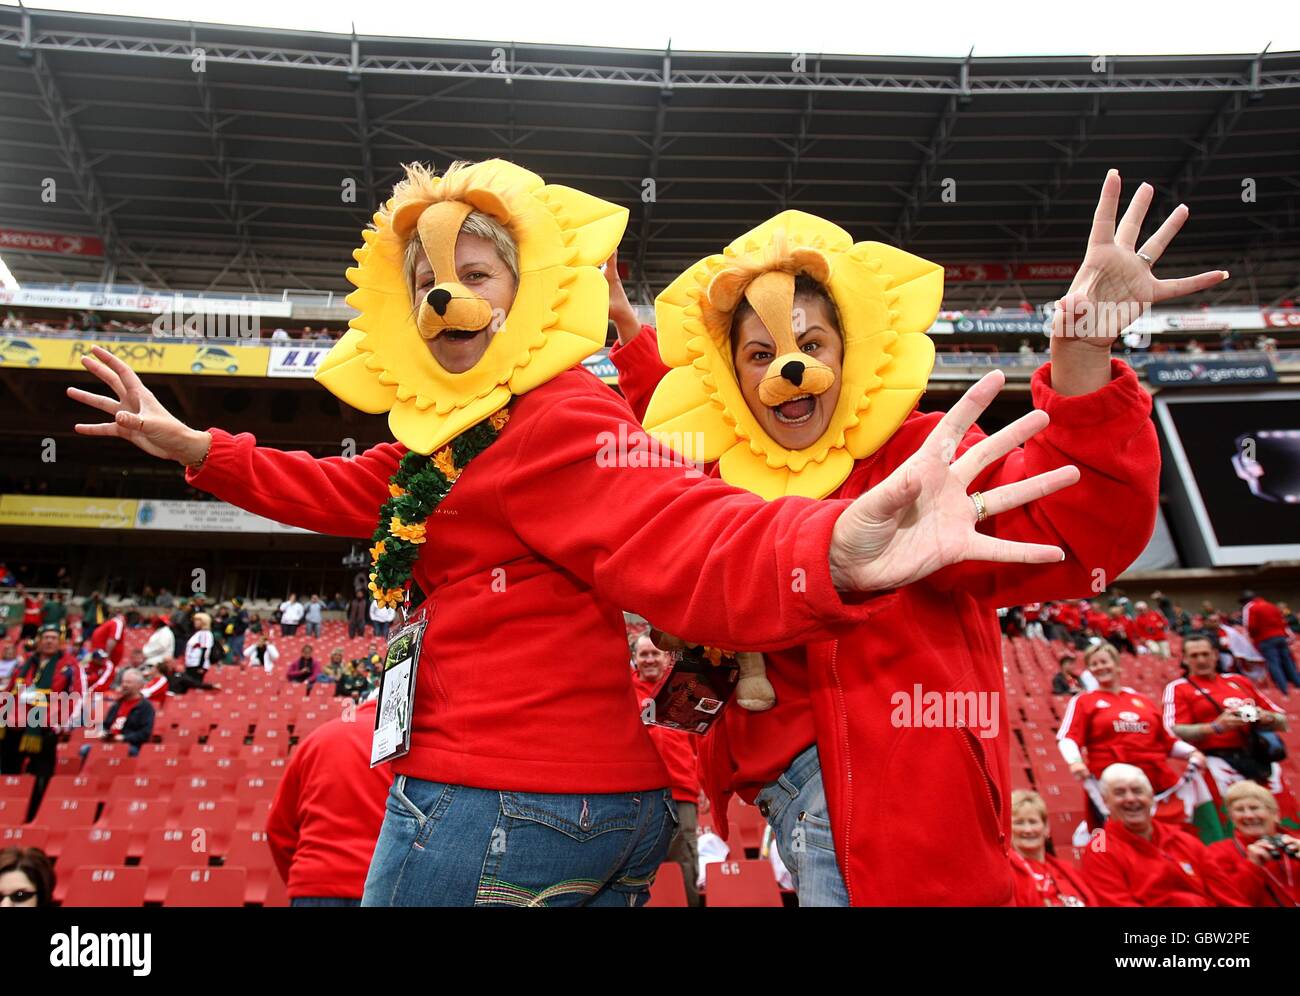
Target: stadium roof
{"x":210,"y":156}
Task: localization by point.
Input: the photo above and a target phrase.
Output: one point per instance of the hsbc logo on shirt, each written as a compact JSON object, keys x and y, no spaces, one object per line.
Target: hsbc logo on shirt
{"x":1131,"y":722}
{"x":1236,"y":702}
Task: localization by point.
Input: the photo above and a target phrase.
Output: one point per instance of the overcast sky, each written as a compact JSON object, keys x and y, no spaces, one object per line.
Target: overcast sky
{"x":900,"y":27}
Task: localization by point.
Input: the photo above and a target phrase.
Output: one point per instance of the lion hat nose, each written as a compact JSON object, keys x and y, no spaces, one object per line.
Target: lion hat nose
{"x":450,"y":304}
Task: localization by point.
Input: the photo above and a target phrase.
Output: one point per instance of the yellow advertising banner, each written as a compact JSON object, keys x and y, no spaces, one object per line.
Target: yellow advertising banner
{"x":155,"y":355}
{"x":70,"y":513}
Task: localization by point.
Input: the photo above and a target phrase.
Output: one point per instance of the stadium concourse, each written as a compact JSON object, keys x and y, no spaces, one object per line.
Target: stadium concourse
{"x":199,"y":234}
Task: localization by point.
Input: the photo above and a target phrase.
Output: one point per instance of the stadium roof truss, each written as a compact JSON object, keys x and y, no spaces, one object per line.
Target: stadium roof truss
{"x":233,"y":158}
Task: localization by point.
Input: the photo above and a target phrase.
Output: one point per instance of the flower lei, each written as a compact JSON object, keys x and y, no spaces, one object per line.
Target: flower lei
{"x":416,"y":489}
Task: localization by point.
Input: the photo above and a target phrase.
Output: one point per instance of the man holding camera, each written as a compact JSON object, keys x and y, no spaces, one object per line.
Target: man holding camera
{"x":1225,"y":716}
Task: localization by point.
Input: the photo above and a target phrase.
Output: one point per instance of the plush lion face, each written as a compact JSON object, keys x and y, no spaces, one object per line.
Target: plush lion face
{"x":559,"y":315}
{"x":886,"y":300}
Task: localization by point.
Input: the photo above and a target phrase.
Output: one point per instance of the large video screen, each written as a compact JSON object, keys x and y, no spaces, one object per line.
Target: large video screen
{"x":1237,"y":458}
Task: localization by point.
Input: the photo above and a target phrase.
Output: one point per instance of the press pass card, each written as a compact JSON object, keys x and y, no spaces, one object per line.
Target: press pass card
{"x":397,"y":691}
{"x":691,"y":698}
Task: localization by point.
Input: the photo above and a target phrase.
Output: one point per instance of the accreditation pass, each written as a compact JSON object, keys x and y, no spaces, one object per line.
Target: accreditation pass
{"x":397,"y":691}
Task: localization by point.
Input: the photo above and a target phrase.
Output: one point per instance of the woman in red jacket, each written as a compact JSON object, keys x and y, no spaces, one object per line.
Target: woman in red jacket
{"x":1264,"y":864}
{"x":1040,"y":879}
{"x":478,"y":292}
{"x":835,"y":763}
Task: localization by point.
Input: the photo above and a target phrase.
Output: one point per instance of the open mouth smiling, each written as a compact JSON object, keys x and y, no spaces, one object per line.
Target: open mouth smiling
{"x":796,"y":411}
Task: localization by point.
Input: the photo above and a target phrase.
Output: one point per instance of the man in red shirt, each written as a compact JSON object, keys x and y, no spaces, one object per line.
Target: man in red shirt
{"x":678,"y":750}
{"x":1267,"y":628}
{"x":1119,"y":629}
{"x":327,"y":812}
{"x":1138,"y":861}
{"x":109,"y":637}
{"x":31,"y":613}
{"x":1215,"y":712}
{"x":1151,"y":629}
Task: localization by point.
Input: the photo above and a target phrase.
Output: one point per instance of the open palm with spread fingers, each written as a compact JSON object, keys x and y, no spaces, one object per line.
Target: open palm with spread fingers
{"x":922,"y":517}
{"x":1116,"y":282}
{"x":138,"y":416}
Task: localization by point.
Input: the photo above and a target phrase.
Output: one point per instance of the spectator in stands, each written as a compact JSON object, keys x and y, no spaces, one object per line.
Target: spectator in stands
{"x":1181,"y":621}
{"x":130,"y":718}
{"x":1119,"y":630}
{"x":280,"y":335}
{"x":160,"y":648}
{"x":1068,"y":680}
{"x":55,"y":612}
{"x":1033,"y":612}
{"x":1267,"y":628}
{"x":381,"y":617}
{"x":313,"y":615}
{"x":93,"y":610}
{"x":1040,"y":879}
{"x":1117,"y":724}
{"x":109,"y":638}
{"x":1221,"y":713}
{"x":1264,"y":864}
{"x":678,"y":750}
{"x":1292,"y":620}
{"x":1194,"y":348}
{"x":333,"y":669}
{"x":198,"y":650}
{"x":262,"y":654}
{"x":26,"y":878}
{"x":32,"y":606}
{"x":291,"y":613}
{"x":305,"y":668}
{"x":1142,"y":861}
{"x":1151,"y":629}
{"x":50,"y":671}
{"x":236,"y":628}
{"x":9,"y":660}
{"x":327,"y":812}
{"x":355,"y":680}
{"x":166,"y":600}
{"x":358,"y":613}
{"x":156,"y":684}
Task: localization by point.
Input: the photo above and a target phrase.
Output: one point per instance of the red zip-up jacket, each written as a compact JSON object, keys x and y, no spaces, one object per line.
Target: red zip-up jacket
{"x":1263,"y":620}
{"x":895,"y":792}
{"x":532,"y":557}
{"x":1173,"y":868}
{"x":328,"y":810}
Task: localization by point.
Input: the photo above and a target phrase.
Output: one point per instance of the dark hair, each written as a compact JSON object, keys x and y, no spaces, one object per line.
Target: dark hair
{"x":33,"y":863}
{"x":804,"y":286}
{"x":1201,"y":634}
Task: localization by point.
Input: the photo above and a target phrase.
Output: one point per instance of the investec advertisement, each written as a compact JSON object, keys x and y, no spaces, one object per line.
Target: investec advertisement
{"x":1234,"y":473}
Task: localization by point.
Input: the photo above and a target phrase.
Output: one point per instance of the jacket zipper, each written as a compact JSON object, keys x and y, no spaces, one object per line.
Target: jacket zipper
{"x":988,"y":786}
{"x":843,"y":730}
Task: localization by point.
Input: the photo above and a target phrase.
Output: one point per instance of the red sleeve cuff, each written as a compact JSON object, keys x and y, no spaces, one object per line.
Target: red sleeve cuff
{"x":634,"y":349}
{"x":1113,"y":402}
{"x":218,"y":454}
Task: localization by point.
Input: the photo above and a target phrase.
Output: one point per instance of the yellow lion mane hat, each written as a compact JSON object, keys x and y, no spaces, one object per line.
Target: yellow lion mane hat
{"x":887,"y":299}
{"x":559,"y":317}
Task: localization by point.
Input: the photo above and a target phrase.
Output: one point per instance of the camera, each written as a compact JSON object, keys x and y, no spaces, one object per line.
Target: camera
{"x":1279,"y":847}
{"x":1248,"y":713}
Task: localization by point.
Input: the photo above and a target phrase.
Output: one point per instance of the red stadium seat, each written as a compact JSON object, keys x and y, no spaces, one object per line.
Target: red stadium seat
{"x":91,"y":846}
{"x":16,"y":786}
{"x":250,"y":851}
{"x":165,"y":850}
{"x":277,"y":895}
{"x":140,"y":786}
{"x":28,"y":835}
{"x":255,"y":788}
{"x":139,"y":816}
{"x":63,"y":815}
{"x":202,"y":886}
{"x":741,"y":883}
{"x":196,"y":786}
{"x":13,"y":812}
{"x":216,"y":816}
{"x":74,"y":787}
{"x":746,"y":823}
{"x":92,"y":885}
{"x":669,"y":888}
{"x":256,"y":818}
{"x":226,"y":770}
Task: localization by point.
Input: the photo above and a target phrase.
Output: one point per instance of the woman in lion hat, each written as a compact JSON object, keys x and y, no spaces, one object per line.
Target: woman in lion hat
{"x":530,"y":779}
{"x":798,"y":358}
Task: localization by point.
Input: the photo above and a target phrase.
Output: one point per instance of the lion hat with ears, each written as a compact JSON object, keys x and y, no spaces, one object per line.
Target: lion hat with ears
{"x":886,"y":298}
{"x":558,"y":318}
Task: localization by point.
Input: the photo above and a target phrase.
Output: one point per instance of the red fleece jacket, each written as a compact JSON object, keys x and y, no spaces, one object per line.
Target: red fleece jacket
{"x":533,"y":556}
{"x":328,"y":810}
{"x":1173,"y":868}
{"x":895,"y":789}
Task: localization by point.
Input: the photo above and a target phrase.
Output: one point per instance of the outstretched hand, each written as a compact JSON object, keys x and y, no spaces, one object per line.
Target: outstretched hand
{"x":922,"y":517}
{"x":621,"y":312}
{"x":138,"y":417}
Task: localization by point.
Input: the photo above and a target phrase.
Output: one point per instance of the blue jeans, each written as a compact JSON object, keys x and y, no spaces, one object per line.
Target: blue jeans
{"x":451,"y":845}
{"x":237,"y":649}
{"x":313,"y":628}
{"x":323,"y":901}
{"x":795,"y":806}
{"x":1281,"y":665}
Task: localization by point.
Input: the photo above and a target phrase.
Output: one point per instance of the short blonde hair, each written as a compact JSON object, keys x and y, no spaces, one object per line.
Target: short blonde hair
{"x":1028,"y":797}
{"x":1250,"y":790}
{"x":422,"y":179}
{"x":202,"y":617}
